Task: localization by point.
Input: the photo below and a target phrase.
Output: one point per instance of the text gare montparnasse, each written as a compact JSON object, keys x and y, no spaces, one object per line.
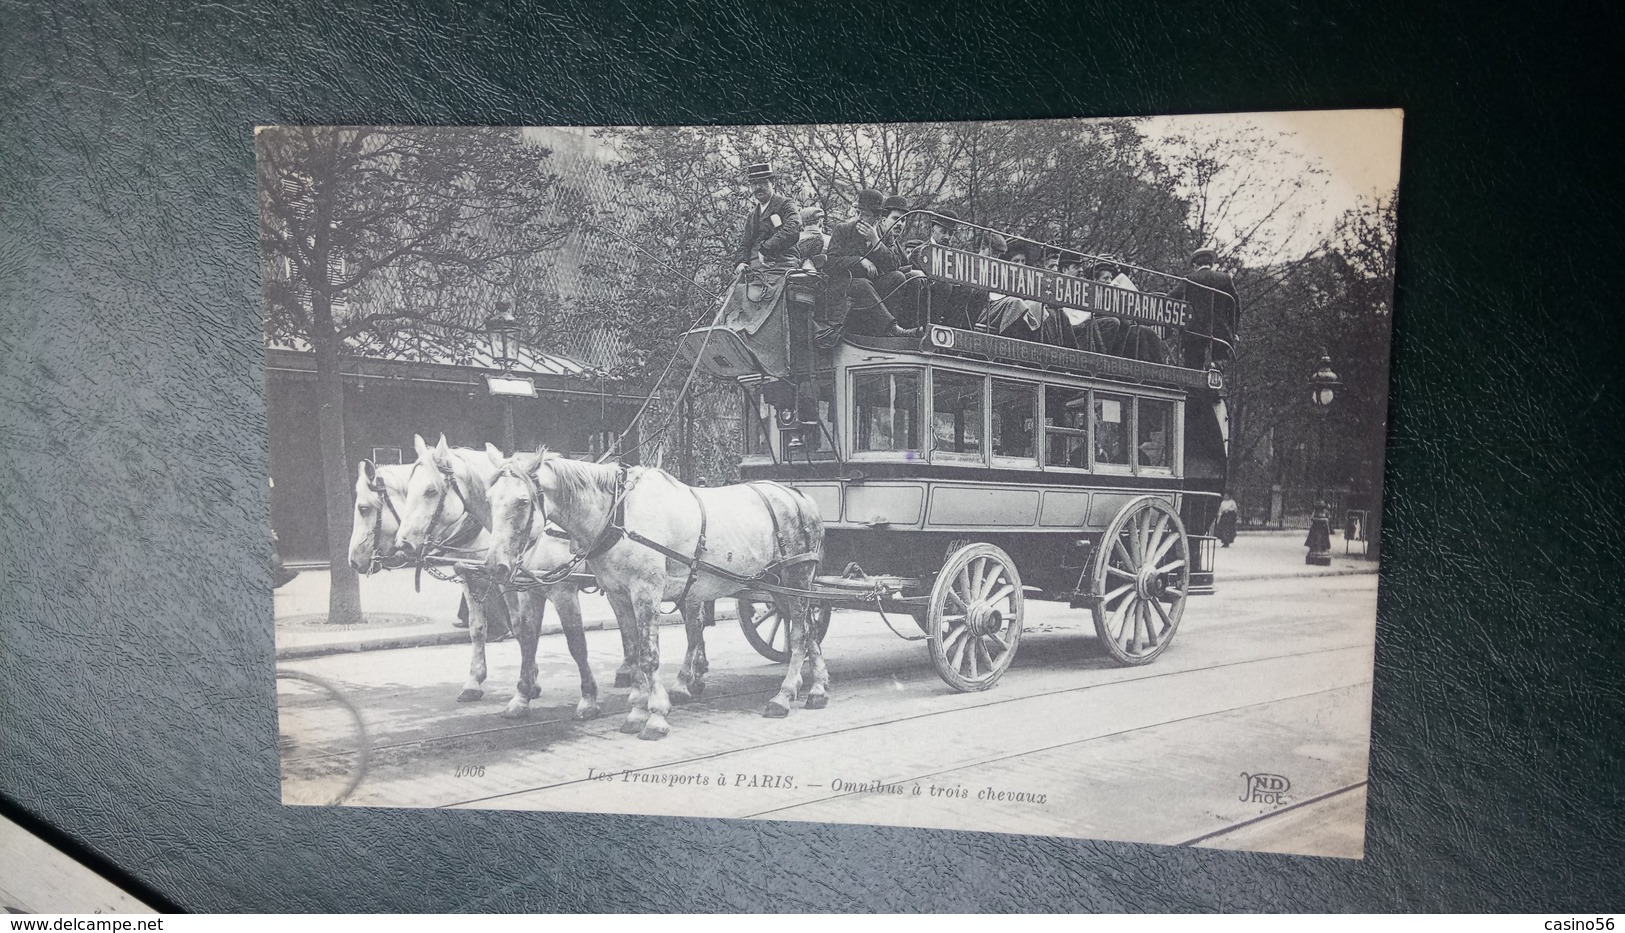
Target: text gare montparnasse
{"x":1009,"y":278}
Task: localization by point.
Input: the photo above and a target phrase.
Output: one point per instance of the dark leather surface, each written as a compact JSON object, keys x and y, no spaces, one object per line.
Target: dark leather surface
{"x":136,"y":660}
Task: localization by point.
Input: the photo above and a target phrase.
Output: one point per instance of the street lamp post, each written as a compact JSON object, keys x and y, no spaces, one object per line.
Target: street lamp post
{"x":1322,"y":387}
{"x":502,"y":330}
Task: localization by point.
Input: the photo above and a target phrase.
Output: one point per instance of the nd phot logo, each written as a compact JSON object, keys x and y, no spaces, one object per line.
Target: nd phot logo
{"x":1265,"y":788}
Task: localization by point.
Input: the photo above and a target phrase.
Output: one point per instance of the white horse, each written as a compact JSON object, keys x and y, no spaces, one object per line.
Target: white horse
{"x":445,"y":491}
{"x":639,"y":530}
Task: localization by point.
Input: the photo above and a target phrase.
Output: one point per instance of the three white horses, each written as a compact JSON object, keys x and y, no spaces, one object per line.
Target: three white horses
{"x":383,"y":501}
{"x":648,"y":538}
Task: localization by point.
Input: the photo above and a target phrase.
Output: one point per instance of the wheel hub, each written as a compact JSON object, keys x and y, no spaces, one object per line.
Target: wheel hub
{"x":984,"y":618}
{"x":1150,"y":584}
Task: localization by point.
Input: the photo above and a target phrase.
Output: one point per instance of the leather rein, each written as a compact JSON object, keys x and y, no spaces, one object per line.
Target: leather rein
{"x":614,"y":529}
{"x":445,"y":546}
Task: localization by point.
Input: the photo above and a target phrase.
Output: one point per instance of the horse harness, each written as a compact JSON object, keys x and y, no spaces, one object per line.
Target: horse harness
{"x":381,"y":490}
{"x":615,"y":529}
{"x":459,"y":533}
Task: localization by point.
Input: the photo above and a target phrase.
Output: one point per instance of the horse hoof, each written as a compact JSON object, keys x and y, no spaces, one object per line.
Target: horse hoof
{"x":631,"y":728}
{"x":516,"y":711}
{"x":817,"y":701}
{"x":623,"y":679}
{"x":653,"y":733}
{"x":679,"y":695}
{"x":531,"y":692}
{"x":584,"y":713}
{"x":774,"y":711}
{"x":469,"y":695}
{"x":696,"y":688}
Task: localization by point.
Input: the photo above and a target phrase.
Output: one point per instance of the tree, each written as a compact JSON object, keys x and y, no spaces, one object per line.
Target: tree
{"x":369,"y":236}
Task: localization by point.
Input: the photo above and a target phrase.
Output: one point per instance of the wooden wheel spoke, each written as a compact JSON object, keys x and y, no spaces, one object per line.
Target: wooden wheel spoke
{"x":1002,"y":593}
{"x":1122,"y":574}
{"x":1167,"y":623}
{"x":955,"y":652}
{"x":1125,"y":614}
{"x":1117,"y":593}
{"x":994,"y":575}
{"x":980,"y":649}
{"x":951,"y":621}
{"x":1154,"y":540}
{"x":1004,"y":646}
{"x":1170,"y":568}
{"x":1175,"y":592}
{"x":970,"y":655}
{"x":952,"y":595}
{"x":1163,"y":549}
{"x":1119,"y":552}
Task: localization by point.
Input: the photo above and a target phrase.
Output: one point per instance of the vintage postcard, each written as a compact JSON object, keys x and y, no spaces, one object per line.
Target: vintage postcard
{"x":1018,"y":477}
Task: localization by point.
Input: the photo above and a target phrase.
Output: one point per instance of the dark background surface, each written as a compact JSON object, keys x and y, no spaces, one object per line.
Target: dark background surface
{"x":136,"y":719}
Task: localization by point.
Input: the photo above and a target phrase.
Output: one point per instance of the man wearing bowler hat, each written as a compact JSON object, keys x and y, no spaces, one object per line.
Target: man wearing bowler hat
{"x":773,"y":225}
{"x":1215,"y":311}
{"x":866,"y":268}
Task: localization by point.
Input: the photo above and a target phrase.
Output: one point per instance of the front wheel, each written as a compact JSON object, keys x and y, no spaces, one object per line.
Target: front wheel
{"x":769,"y":632}
{"x":1139,"y":578}
{"x":974,"y":620}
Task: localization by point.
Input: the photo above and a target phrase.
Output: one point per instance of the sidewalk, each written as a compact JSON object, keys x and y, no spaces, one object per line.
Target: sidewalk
{"x":397,"y":616}
{"x":1276,"y":555}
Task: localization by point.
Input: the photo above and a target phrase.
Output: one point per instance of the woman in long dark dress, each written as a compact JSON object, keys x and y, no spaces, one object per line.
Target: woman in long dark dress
{"x":1225,"y":530}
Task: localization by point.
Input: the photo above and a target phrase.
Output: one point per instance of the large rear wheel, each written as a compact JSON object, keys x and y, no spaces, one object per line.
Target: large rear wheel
{"x":974,"y":621}
{"x":1140,"y":577}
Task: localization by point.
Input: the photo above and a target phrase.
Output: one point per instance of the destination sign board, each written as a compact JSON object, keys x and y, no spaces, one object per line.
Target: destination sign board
{"x":958,"y":267}
{"x":1048,"y":356}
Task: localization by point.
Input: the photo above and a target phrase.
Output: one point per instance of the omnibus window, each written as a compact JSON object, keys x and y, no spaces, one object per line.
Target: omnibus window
{"x":956,"y":413}
{"x":1066,"y":427}
{"x":1015,"y":419}
{"x":1155,"y":433}
{"x":887,"y":409}
{"x":1112,"y":416}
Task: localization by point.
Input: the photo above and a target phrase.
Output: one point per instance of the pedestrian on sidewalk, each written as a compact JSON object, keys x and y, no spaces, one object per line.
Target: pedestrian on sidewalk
{"x":1226,"y":527}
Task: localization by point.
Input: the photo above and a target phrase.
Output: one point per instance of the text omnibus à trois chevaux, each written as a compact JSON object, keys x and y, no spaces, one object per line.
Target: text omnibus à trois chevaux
{"x":1009,"y":278}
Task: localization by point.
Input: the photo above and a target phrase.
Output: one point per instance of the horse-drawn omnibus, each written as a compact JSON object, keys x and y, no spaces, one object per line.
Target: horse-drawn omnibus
{"x":962,"y":473}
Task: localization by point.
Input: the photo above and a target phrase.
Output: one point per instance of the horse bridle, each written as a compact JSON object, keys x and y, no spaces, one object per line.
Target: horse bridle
{"x":450,"y":476}
{"x":381,"y":490}
{"x":533,"y":494}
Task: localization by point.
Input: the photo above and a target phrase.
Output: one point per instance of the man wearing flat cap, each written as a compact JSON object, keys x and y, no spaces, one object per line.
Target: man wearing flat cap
{"x":773,"y":225}
{"x":865,"y":265}
{"x":813,"y":245}
{"x":946,"y":304}
{"x":1215,"y":311}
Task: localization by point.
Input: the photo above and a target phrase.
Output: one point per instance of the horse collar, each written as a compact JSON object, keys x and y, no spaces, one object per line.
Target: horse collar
{"x":615,"y":528}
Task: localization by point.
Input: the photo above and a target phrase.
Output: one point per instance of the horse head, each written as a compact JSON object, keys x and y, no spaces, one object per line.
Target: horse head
{"x":518,"y":510}
{"x":436,"y":499}
{"x":375,"y":519}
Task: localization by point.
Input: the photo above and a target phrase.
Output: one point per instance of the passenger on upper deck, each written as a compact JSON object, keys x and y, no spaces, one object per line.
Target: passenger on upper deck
{"x":1027,"y":319}
{"x":772,"y":226}
{"x":948,"y":304}
{"x":1215,"y":311}
{"x":813,"y":246}
{"x":1121,"y":279}
{"x":867,"y":268}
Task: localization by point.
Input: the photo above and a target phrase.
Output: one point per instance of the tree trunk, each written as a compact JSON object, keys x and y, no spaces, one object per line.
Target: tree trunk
{"x":344,"y":589}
